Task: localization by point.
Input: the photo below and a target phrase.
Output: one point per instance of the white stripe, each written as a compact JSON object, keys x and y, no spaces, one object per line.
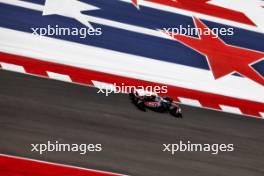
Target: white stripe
{"x":59,"y":76}
{"x":196,"y":14}
{"x":12,"y":67}
{"x":104,"y":85}
{"x":133,"y":28}
{"x":262,"y":114}
{"x":99,"y":59}
{"x":230,"y":109}
{"x":190,"y":102}
{"x":23,"y":4}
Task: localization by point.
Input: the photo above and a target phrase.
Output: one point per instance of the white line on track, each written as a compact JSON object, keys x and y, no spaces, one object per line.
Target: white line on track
{"x":58,"y":76}
{"x":231,"y":109}
{"x":190,"y":102}
{"x":12,"y":67}
{"x":104,"y":85}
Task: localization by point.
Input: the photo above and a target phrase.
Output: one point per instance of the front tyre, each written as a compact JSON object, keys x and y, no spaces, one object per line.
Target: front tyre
{"x":141,"y":105}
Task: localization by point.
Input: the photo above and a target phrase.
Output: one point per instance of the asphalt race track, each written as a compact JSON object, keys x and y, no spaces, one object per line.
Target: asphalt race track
{"x":35,"y":110}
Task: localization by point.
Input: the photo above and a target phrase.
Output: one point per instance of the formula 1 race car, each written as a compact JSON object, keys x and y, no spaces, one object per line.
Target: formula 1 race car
{"x":148,"y":100}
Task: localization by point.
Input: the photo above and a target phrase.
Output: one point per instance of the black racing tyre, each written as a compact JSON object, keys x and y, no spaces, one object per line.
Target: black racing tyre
{"x":173,"y":111}
{"x":168,"y":99}
{"x":141,"y":105}
{"x":131,"y":96}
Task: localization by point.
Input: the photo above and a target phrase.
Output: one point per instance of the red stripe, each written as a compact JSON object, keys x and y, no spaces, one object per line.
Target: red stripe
{"x":84,"y":76}
{"x":201,"y":6}
{"x":17,"y":166}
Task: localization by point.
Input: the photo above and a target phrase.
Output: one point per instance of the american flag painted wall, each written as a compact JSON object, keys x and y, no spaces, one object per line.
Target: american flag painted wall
{"x":224,"y":73}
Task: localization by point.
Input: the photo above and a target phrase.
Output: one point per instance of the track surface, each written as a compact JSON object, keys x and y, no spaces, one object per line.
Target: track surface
{"x":35,"y":110}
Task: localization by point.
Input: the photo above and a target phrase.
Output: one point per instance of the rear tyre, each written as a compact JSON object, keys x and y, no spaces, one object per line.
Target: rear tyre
{"x":131,"y":96}
{"x":168,"y":99}
{"x":174,"y":112}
